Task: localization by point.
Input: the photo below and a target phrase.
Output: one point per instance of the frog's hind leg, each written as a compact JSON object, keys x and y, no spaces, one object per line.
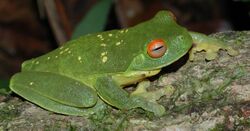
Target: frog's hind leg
{"x":55,"y":92}
{"x":114,"y":95}
{"x":210,"y":45}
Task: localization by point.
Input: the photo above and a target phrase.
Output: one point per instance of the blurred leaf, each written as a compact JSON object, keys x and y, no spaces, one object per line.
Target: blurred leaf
{"x":95,"y":20}
{"x":4,"y":87}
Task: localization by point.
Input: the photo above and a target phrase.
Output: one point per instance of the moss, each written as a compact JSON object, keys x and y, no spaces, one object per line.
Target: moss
{"x":8,"y":111}
{"x":219,"y":127}
{"x":243,"y":123}
{"x":115,"y":120}
{"x":200,"y":94}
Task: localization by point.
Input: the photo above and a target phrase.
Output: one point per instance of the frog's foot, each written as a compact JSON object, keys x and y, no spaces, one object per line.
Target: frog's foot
{"x":114,"y":95}
{"x":151,"y":96}
{"x":210,"y":45}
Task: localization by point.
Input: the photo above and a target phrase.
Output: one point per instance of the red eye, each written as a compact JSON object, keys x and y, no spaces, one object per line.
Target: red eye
{"x":156,"y":48}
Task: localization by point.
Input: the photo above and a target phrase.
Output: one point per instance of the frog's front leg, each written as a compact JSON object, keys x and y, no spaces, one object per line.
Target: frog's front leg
{"x":210,"y":45}
{"x":114,"y":95}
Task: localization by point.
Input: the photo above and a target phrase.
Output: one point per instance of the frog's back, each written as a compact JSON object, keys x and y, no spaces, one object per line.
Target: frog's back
{"x":100,"y":53}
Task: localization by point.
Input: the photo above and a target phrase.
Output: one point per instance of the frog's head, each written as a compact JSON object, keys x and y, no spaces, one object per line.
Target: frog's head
{"x":162,"y":43}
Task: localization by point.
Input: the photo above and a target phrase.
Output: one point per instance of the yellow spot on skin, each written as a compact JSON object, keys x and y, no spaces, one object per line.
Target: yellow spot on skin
{"x":104,"y":56}
{"x":104,"y":53}
{"x":48,"y":57}
{"x":56,"y":56}
{"x":79,"y":57}
{"x":66,"y":49}
{"x":37,"y":62}
{"x":61,"y":47}
{"x":61,"y":52}
{"x":31,"y":83}
{"x":100,"y":36}
{"x":104,"y":59}
{"x":110,"y":35}
{"x":126,"y":30}
{"x":103,"y":44}
{"x":118,"y":43}
{"x":122,"y":31}
{"x":69,"y":52}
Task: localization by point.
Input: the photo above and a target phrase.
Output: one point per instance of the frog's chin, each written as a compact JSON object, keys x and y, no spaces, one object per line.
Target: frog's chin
{"x":152,"y":72}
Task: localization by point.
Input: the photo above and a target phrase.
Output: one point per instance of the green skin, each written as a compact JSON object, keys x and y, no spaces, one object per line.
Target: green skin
{"x":77,"y":78}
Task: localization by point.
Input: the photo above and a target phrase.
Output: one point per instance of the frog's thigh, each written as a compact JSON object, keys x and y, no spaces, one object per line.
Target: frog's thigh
{"x":110,"y":92}
{"x":53,"y":91}
{"x":54,"y":106}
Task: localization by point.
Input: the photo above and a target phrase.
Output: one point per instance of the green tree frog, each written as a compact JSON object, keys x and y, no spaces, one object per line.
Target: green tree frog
{"x":84,"y":74}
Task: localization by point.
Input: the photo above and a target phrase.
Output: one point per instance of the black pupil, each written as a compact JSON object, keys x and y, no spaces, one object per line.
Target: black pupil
{"x":158,"y":48}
